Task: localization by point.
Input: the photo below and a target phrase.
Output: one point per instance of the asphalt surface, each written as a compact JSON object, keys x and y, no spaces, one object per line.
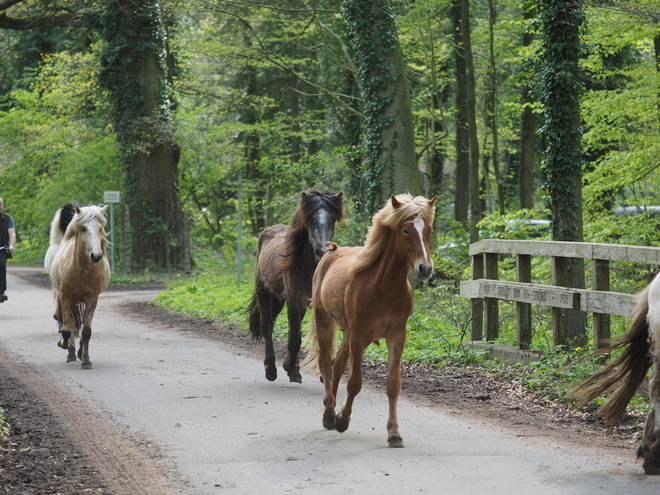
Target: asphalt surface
{"x":215,"y":425}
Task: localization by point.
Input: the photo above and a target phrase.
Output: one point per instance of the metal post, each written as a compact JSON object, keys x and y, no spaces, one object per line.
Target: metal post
{"x":112,"y":237}
{"x":239,"y":250}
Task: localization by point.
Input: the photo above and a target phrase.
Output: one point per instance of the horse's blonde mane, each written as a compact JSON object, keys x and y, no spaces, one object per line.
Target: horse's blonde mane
{"x":86,"y":214}
{"x":387,"y":220}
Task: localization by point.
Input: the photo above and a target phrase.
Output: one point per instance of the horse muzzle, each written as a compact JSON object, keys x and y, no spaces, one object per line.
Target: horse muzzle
{"x":96,"y":257}
{"x":423,"y":271}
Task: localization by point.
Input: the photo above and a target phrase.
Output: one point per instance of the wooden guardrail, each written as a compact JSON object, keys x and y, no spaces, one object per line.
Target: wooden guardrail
{"x":486,"y":290}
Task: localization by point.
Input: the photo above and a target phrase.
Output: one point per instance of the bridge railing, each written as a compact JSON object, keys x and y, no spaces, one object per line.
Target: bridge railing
{"x":486,"y":290}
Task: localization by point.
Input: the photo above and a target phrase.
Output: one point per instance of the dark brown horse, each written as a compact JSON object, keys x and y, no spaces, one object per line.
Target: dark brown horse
{"x":287,"y":256}
{"x":624,"y":375}
{"x":366,"y":293}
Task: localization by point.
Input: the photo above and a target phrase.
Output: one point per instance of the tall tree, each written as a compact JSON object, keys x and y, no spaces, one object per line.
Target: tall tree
{"x":390,"y":161}
{"x":135,"y":71}
{"x":528,"y":133}
{"x":462,"y":190}
{"x":560,"y":82}
{"x":470,"y":84}
{"x":136,"y":75}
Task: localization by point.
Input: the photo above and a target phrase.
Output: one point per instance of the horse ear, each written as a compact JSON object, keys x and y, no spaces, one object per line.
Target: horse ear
{"x":395,"y":202}
{"x":78,"y":209}
{"x":104,"y":208}
{"x":303,"y":196}
{"x":432,"y":201}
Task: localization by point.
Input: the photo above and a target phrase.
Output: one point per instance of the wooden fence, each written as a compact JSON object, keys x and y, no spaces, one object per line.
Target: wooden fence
{"x":486,"y":290}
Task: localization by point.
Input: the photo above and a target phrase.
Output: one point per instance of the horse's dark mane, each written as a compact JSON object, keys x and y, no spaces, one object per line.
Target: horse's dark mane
{"x":66,"y":215}
{"x":296,"y":235}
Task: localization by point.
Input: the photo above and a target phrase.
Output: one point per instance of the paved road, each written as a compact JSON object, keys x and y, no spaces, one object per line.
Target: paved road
{"x":222,"y":428}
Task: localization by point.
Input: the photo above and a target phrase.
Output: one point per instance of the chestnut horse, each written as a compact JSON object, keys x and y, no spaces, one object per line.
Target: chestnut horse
{"x":287,"y":256}
{"x":79,"y":271}
{"x":366,"y":293}
{"x":624,"y":375}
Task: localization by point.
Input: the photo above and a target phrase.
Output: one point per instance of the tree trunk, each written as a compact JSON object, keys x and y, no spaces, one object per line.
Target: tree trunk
{"x":390,"y":160}
{"x":527,"y":136}
{"x":462,"y":191}
{"x":136,"y":76}
{"x":491,"y":106}
{"x":295,"y":112}
{"x":560,"y":79}
{"x":475,"y":202}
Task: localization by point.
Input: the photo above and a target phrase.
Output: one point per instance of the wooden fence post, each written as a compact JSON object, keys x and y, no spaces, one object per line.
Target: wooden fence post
{"x":476,"y":323}
{"x":559,"y":315}
{"x":600,"y":273}
{"x":491,"y":303}
{"x":524,"y":310}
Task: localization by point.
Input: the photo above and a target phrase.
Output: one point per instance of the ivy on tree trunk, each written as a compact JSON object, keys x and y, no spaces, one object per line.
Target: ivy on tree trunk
{"x":560,"y":89}
{"x":135,"y":72}
{"x":390,"y":162}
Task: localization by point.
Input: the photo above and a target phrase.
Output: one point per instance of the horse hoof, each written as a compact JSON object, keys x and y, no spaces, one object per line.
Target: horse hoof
{"x":329,"y":419}
{"x":651,"y":462}
{"x":341,"y":424}
{"x":295,"y":377}
{"x":271,"y":374}
{"x":86,"y":366}
{"x":395,"y":442}
{"x":70,"y":359}
{"x":62,"y":344}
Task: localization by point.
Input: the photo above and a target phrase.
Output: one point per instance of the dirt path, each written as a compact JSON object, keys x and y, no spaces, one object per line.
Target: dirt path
{"x":61,"y":445}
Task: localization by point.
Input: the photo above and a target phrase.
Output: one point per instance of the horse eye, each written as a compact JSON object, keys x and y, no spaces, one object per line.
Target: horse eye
{"x":84,"y":229}
{"x":405,"y":231}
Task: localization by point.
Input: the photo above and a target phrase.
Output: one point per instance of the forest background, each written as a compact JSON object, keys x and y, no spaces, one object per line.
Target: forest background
{"x":269,"y":93}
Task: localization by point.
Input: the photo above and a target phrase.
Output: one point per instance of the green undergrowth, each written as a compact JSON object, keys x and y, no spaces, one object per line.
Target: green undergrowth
{"x":4,"y":429}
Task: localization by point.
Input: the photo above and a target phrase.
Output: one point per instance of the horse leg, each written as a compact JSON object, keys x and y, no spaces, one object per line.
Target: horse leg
{"x":86,"y":320}
{"x":68,"y":328}
{"x":295,"y":314}
{"x":340,"y":363}
{"x":650,"y":446}
{"x":269,"y":306}
{"x":324,"y":330}
{"x":57,"y":316}
{"x":394,"y":352}
{"x":353,"y":385}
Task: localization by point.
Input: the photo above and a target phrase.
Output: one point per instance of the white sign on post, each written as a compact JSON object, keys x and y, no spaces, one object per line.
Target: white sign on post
{"x":111,"y":196}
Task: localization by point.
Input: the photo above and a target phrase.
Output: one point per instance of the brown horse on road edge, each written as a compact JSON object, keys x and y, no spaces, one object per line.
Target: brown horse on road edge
{"x":624,"y":375}
{"x":366,"y":293}
{"x":79,"y":271}
{"x":287,"y":256}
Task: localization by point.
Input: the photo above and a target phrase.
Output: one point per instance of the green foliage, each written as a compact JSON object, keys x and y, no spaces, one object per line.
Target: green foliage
{"x":56,"y":147}
{"x":4,"y":428}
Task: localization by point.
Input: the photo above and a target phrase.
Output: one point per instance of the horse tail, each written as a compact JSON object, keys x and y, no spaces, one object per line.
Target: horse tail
{"x":624,"y":375}
{"x":254,"y":318}
{"x":60,"y":223}
{"x":310,"y":363}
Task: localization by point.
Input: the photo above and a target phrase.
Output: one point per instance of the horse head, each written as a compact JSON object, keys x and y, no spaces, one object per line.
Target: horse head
{"x":322,"y":212}
{"x":413,"y":241}
{"x":89,"y":226}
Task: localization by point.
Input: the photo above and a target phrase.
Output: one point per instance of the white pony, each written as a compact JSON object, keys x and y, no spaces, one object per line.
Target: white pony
{"x":79,"y":271}
{"x":624,"y":375}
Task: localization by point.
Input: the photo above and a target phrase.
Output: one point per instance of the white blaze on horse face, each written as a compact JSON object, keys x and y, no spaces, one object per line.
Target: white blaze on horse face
{"x":419,"y":225}
{"x":92,"y":237}
{"x":424,"y":265}
{"x":321,"y":230}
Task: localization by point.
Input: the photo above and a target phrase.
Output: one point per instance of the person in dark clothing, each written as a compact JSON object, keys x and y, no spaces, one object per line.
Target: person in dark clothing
{"x":7,"y":243}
